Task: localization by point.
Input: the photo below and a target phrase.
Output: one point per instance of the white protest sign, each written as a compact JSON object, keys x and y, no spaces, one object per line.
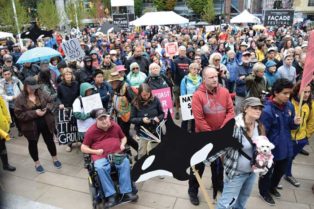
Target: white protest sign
{"x":91,"y":102}
{"x":186,"y":107}
{"x":172,"y":49}
{"x":72,"y":49}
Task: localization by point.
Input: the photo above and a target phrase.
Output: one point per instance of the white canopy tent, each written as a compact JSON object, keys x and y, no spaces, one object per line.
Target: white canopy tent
{"x":6,"y":35}
{"x":160,"y":18}
{"x":245,"y":17}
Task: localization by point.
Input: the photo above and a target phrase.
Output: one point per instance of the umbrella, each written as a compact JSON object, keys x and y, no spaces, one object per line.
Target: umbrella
{"x":259,"y":27}
{"x":38,"y":54}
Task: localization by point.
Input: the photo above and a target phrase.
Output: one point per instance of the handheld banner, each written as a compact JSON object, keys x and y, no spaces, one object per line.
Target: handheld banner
{"x":164,"y":96}
{"x":73,"y":50}
{"x":186,"y":107}
{"x":66,"y":127}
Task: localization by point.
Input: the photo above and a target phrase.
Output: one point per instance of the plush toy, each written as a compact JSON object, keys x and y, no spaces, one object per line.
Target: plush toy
{"x":264,"y":157}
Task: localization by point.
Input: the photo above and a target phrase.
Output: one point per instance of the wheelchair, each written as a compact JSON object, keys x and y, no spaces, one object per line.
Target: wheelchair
{"x":97,"y":194}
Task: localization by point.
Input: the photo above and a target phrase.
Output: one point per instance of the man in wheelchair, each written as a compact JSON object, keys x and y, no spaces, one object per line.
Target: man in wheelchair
{"x":101,"y":140}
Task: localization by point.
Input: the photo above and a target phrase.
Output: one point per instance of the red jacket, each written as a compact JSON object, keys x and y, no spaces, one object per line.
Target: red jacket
{"x":211,"y":110}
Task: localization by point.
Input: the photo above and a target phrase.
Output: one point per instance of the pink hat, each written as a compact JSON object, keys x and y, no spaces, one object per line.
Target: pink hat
{"x":120,"y":68}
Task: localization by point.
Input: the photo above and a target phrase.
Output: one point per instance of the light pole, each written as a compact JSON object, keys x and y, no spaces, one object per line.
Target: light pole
{"x":17,"y":22}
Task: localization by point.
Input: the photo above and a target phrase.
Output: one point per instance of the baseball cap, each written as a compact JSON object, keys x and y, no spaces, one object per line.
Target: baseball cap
{"x":252,"y":102}
{"x":101,"y":112}
{"x":244,"y":44}
{"x":31,"y":82}
{"x":246,"y":53}
{"x":113,"y":52}
{"x":271,"y":49}
{"x":120,"y":68}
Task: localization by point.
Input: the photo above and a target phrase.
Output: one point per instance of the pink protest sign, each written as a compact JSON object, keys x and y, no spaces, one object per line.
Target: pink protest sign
{"x":164,"y":96}
{"x":171,"y":49}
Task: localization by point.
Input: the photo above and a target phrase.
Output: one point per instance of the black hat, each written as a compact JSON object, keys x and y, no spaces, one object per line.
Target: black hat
{"x":61,"y":64}
{"x":87,"y":59}
{"x":31,"y":82}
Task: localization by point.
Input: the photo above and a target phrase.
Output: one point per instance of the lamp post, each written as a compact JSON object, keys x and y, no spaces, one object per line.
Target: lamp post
{"x":17,"y":22}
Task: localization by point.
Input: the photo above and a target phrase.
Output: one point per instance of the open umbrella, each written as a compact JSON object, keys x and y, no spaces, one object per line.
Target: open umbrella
{"x":38,"y":54}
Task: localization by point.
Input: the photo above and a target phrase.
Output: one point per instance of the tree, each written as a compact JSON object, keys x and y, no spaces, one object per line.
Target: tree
{"x":97,"y":11}
{"x":7,"y":15}
{"x":197,"y":6}
{"x":47,"y":14}
{"x":80,"y":12}
{"x":138,"y":7}
{"x":165,"y":5}
{"x":209,"y":11}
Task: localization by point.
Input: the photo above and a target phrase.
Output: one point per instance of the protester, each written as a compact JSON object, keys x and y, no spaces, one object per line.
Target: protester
{"x":86,"y":73}
{"x":279,"y":119}
{"x":103,"y":88}
{"x":212,"y":108}
{"x":29,"y":69}
{"x":139,"y":59}
{"x":256,"y":83}
{"x":33,"y":108}
{"x":135,"y":76}
{"x":10,"y":88}
{"x":4,"y":135}
{"x":305,"y":131}
{"x":239,"y":176}
{"x":47,"y":85}
{"x":147,"y":112}
{"x":155,"y":79}
{"x":271,"y":74}
{"x":287,"y":70}
{"x":103,"y":138}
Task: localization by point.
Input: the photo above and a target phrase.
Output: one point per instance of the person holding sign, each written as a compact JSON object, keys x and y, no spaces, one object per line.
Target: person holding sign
{"x":305,"y":131}
{"x":189,"y":85}
{"x":147,"y":112}
{"x":212,"y":107}
{"x":33,"y":109}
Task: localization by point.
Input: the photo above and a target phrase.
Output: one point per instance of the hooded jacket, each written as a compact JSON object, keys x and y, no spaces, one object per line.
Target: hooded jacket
{"x":5,"y":117}
{"x":306,"y":128}
{"x":84,"y":120}
{"x":211,"y":110}
{"x":67,"y":93}
{"x":136,"y":79}
{"x":187,"y":86}
{"x":278,"y":122}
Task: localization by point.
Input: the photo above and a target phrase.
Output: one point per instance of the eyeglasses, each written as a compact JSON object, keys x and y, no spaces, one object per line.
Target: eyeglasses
{"x":135,"y":68}
{"x":103,"y":118}
{"x":216,"y":60}
{"x":198,"y":58}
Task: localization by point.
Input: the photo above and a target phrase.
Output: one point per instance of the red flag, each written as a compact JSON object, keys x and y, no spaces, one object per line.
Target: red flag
{"x":309,"y":64}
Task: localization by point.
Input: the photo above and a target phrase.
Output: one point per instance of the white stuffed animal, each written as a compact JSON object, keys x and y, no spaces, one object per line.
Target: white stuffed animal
{"x":264,"y":157}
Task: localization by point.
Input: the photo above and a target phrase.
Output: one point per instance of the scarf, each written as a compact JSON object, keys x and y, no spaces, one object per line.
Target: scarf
{"x":194,"y":78}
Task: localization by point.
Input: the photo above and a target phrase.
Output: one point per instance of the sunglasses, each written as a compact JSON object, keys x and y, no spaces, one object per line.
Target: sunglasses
{"x":135,"y":68}
{"x":216,"y":60}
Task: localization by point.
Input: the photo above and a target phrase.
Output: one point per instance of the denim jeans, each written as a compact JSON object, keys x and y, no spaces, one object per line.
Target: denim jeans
{"x":297,"y":147}
{"x":103,"y":169}
{"x":236,"y":191}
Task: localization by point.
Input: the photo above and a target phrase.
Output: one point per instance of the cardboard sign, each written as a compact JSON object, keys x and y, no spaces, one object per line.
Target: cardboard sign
{"x":73,"y":50}
{"x":91,"y":102}
{"x":66,"y":127}
{"x":164,"y":96}
{"x":121,"y":20}
{"x":278,"y":17}
{"x":186,"y":107}
{"x":172,"y":49}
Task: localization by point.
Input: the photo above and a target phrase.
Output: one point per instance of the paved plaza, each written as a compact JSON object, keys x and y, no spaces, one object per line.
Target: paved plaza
{"x":68,"y":187}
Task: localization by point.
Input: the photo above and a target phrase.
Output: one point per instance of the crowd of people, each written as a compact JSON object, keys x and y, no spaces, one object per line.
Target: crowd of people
{"x":250,"y":75}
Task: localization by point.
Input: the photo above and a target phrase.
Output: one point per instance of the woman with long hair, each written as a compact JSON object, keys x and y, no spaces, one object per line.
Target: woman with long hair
{"x":301,"y":135}
{"x":147,"y":112}
{"x":239,"y":176}
{"x":33,"y":108}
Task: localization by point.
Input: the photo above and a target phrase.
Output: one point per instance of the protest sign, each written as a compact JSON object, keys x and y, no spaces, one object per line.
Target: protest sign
{"x":91,"y":102}
{"x":66,"y":127}
{"x":121,"y":21}
{"x":278,"y":17}
{"x":186,"y":107}
{"x":72,"y":49}
{"x":164,"y":96}
{"x":171,"y":49}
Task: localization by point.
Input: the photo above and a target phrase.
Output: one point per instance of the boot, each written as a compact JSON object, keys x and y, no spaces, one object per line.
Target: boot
{"x":5,"y":163}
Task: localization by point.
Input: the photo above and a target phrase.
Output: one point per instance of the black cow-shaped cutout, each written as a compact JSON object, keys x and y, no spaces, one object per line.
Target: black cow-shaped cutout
{"x":35,"y":32}
{"x":180,"y":150}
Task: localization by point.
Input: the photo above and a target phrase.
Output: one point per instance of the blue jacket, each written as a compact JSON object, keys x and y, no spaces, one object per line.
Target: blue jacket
{"x":105,"y":91}
{"x":278,"y":123}
{"x":232,"y":66}
{"x":187,"y":86}
{"x":240,"y":84}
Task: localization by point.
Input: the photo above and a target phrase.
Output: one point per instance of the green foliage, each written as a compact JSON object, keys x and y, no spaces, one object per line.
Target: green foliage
{"x":7,"y":15}
{"x":70,"y":11}
{"x":165,"y":5}
{"x":138,"y":7}
{"x":209,"y":11}
{"x":197,"y":6}
{"x":47,"y":14}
